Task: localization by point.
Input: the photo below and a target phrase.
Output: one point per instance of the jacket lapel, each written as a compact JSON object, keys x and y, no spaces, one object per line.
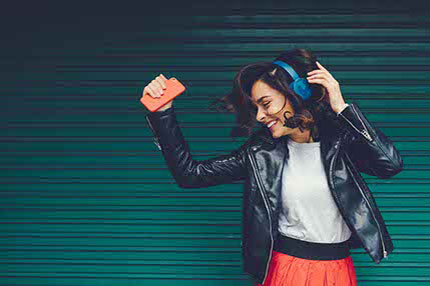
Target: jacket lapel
{"x":328,"y":149}
{"x":270,"y":158}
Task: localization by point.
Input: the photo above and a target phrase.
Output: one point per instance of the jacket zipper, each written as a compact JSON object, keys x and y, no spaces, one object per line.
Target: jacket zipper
{"x":364,"y":196}
{"x":366,"y":134}
{"x":268,"y":213}
{"x":363,"y":132}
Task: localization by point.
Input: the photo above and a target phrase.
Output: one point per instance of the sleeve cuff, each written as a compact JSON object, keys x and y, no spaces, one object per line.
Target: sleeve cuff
{"x":337,"y":113}
{"x":156,"y":118}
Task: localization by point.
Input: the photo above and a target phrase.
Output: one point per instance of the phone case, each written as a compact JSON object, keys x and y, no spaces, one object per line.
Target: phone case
{"x":173,"y":88}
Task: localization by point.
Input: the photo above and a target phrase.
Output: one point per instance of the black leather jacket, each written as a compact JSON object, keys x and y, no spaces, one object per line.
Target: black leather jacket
{"x":358,"y":146}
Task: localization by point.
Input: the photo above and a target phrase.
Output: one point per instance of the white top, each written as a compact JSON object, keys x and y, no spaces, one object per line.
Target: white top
{"x":309,"y":211}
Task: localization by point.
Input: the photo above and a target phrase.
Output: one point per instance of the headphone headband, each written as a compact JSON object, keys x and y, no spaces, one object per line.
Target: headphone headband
{"x":288,"y":68}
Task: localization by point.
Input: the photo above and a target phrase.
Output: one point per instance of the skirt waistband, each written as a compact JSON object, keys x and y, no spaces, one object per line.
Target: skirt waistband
{"x":311,"y":250}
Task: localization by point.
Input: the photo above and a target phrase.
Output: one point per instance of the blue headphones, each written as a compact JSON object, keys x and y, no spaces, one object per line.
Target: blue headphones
{"x":299,"y":85}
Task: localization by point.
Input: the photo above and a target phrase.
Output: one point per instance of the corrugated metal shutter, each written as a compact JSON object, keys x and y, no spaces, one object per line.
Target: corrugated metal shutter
{"x":86,"y":196}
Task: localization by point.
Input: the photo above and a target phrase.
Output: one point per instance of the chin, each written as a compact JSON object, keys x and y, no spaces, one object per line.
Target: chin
{"x":276,"y":134}
{"x":279,"y":133}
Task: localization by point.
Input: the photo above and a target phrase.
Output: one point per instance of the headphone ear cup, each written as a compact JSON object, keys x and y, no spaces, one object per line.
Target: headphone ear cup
{"x":301,"y":87}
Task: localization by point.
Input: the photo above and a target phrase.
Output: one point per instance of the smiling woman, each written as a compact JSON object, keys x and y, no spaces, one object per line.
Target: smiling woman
{"x":305,"y":204}
{"x":312,"y":246}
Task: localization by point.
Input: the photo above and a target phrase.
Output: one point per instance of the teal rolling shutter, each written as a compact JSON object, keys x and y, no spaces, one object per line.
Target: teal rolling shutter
{"x":86,"y":196}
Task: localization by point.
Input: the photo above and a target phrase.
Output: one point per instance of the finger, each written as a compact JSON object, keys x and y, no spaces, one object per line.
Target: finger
{"x":161,"y":75}
{"x":145,"y":91}
{"x":320,"y":72}
{"x":316,"y":72}
{"x":152,"y":92}
{"x":158,"y":87}
{"x":161,"y":81}
{"x":319,"y":81}
{"x":321,"y":66}
{"x":320,"y":76}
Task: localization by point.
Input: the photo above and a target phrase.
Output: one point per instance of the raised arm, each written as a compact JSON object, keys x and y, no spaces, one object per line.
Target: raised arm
{"x":187,"y":172}
{"x":369,"y":149}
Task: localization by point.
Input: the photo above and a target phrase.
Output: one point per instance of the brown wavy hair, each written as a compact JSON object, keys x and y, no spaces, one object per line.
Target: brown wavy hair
{"x":313,"y":114}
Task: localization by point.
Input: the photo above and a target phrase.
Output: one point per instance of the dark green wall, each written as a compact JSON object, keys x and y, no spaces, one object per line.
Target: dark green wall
{"x":86,"y":198}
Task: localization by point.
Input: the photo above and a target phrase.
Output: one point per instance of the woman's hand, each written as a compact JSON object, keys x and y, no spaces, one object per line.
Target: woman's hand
{"x":323,"y":77}
{"x":155,"y":89}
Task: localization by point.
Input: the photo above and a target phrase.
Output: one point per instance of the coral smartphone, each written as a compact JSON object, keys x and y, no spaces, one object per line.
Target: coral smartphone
{"x":173,"y":89}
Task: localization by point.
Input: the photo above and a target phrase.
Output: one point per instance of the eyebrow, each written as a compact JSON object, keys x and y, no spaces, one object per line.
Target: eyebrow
{"x":261,"y":98}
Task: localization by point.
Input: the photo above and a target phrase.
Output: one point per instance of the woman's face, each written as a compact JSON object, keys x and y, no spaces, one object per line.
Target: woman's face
{"x":270,"y":107}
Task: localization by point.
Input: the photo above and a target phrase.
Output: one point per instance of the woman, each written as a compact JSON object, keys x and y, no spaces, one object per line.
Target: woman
{"x":305,"y":204}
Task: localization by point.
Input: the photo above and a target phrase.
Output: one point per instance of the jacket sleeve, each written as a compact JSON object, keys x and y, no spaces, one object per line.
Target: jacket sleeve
{"x":187,"y":172}
{"x":369,"y":149}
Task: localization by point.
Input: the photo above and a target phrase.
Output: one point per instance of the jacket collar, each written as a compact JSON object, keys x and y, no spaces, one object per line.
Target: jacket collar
{"x":267,"y":142}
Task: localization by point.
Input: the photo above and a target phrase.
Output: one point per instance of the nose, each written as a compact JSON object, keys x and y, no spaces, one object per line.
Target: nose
{"x":260,"y":115}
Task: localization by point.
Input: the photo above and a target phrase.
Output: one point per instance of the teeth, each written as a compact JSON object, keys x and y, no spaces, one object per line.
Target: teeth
{"x":271,"y":123}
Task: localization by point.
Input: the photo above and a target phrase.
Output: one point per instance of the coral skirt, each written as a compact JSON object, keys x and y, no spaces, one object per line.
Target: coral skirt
{"x":286,"y":270}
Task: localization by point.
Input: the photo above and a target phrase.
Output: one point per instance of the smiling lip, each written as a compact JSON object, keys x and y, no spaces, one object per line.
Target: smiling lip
{"x":273,"y":125}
